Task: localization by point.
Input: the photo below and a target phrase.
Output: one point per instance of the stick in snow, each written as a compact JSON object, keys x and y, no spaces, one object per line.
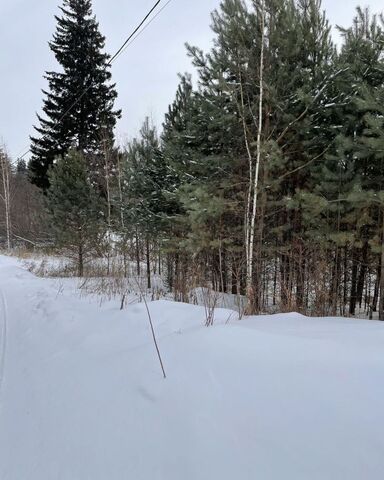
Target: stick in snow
{"x":152,"y":329}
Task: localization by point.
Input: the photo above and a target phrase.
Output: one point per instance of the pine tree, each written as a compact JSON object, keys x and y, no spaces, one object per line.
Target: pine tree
{"x":229,"y":143}
{"x":79,"y":104}
{"x":144,"y":204}
{"x":368,"y":195}
{"x":352,"y":173}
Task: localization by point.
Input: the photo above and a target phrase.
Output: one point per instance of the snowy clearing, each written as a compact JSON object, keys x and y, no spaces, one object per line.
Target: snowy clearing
{"x":277,"y":397}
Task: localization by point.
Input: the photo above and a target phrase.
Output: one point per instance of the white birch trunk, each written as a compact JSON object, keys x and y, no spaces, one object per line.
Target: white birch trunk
{"x":108,"y":191}
{"x":120,"y":186}
{"x":6,"y":197}
{"x":254,"y":182}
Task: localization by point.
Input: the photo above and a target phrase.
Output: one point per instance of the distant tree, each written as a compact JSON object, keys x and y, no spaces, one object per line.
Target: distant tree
{"x":144,"y":203}
{"x":21,"y":167}
{"x":29,"y":218}
{"x":79,"y":103}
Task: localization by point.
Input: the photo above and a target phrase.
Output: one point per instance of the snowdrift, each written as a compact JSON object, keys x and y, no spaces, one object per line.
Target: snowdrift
{"x":280,"y":397}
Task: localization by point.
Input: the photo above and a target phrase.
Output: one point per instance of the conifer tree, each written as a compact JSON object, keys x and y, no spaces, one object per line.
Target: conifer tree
{"x":368,"y":195}
{"x":144,"y":184}
{"x":351,"y":173}
{"x":316,"y":135}
{"x":79,"y":102}
{"x":229,"y":143}
{"x":76,"y":210}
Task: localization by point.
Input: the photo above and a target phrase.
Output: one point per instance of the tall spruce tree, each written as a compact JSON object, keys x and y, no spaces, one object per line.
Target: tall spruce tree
{"x":79,"y":104}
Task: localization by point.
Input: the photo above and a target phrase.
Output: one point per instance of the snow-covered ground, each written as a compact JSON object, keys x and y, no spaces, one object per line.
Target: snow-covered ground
{"x":281,"y":397}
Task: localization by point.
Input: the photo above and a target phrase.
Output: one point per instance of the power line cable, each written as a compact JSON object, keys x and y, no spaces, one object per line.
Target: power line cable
{"x":143,"y":29}
{"x":134,"y":32}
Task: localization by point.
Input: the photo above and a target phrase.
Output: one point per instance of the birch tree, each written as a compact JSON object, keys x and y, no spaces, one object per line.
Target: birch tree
{"x":254,"y":170}
{"x":6,"y":195}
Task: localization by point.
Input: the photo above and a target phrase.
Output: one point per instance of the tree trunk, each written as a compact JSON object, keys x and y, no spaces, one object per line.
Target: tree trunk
{"x":362,"y":275}
{"x":300,"y":279}
{"x":6,"y":197}
{"x":148,"y":264}
{"x":254,"y":182}
{"x":120,"y":188}
{"x":381,"y":303}
{"x":275,"y":281}
{"x":334,"y":287}
{"x":170,"y":271}
{"x":345,"y":281}
{"x":80,"y":262}
{"x":137,"y":254}
{"x":222,"y":273}
{"x":177,"y":278}
{"x":285,"y":280}
{"x":377,"y":288}
{"x":125,"y":262}
{"x":353,"y":297}
{"x":234,"y":276}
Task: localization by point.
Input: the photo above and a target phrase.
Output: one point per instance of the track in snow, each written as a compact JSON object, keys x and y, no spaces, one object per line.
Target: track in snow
{"x":3,"y":338}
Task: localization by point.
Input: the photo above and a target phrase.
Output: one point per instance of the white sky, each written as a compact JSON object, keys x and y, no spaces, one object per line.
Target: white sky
{"x":146,"y":74}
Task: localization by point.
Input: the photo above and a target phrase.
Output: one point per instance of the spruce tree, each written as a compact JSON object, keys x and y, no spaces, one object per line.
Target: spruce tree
{"x":76,"y":210}
{"x":79,"y":104}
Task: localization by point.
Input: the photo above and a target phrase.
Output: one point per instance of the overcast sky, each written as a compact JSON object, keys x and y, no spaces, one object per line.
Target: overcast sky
{"x":146,"y":74}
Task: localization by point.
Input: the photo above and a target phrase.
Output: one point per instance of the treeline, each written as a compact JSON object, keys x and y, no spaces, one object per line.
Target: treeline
{"x":273,"y":188}
{"x":22,"y":217}
{"x":266,"y":179}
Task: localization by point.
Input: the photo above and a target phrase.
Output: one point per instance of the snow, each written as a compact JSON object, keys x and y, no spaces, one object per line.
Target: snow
{"x":276,"y":397}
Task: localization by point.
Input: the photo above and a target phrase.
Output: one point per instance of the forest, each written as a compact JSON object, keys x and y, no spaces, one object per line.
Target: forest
{"x":264,"y":182}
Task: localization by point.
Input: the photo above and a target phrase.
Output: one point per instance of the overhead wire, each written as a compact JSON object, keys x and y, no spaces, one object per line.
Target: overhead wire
{"x":133,"y":33}
{"x":143,"y":29}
